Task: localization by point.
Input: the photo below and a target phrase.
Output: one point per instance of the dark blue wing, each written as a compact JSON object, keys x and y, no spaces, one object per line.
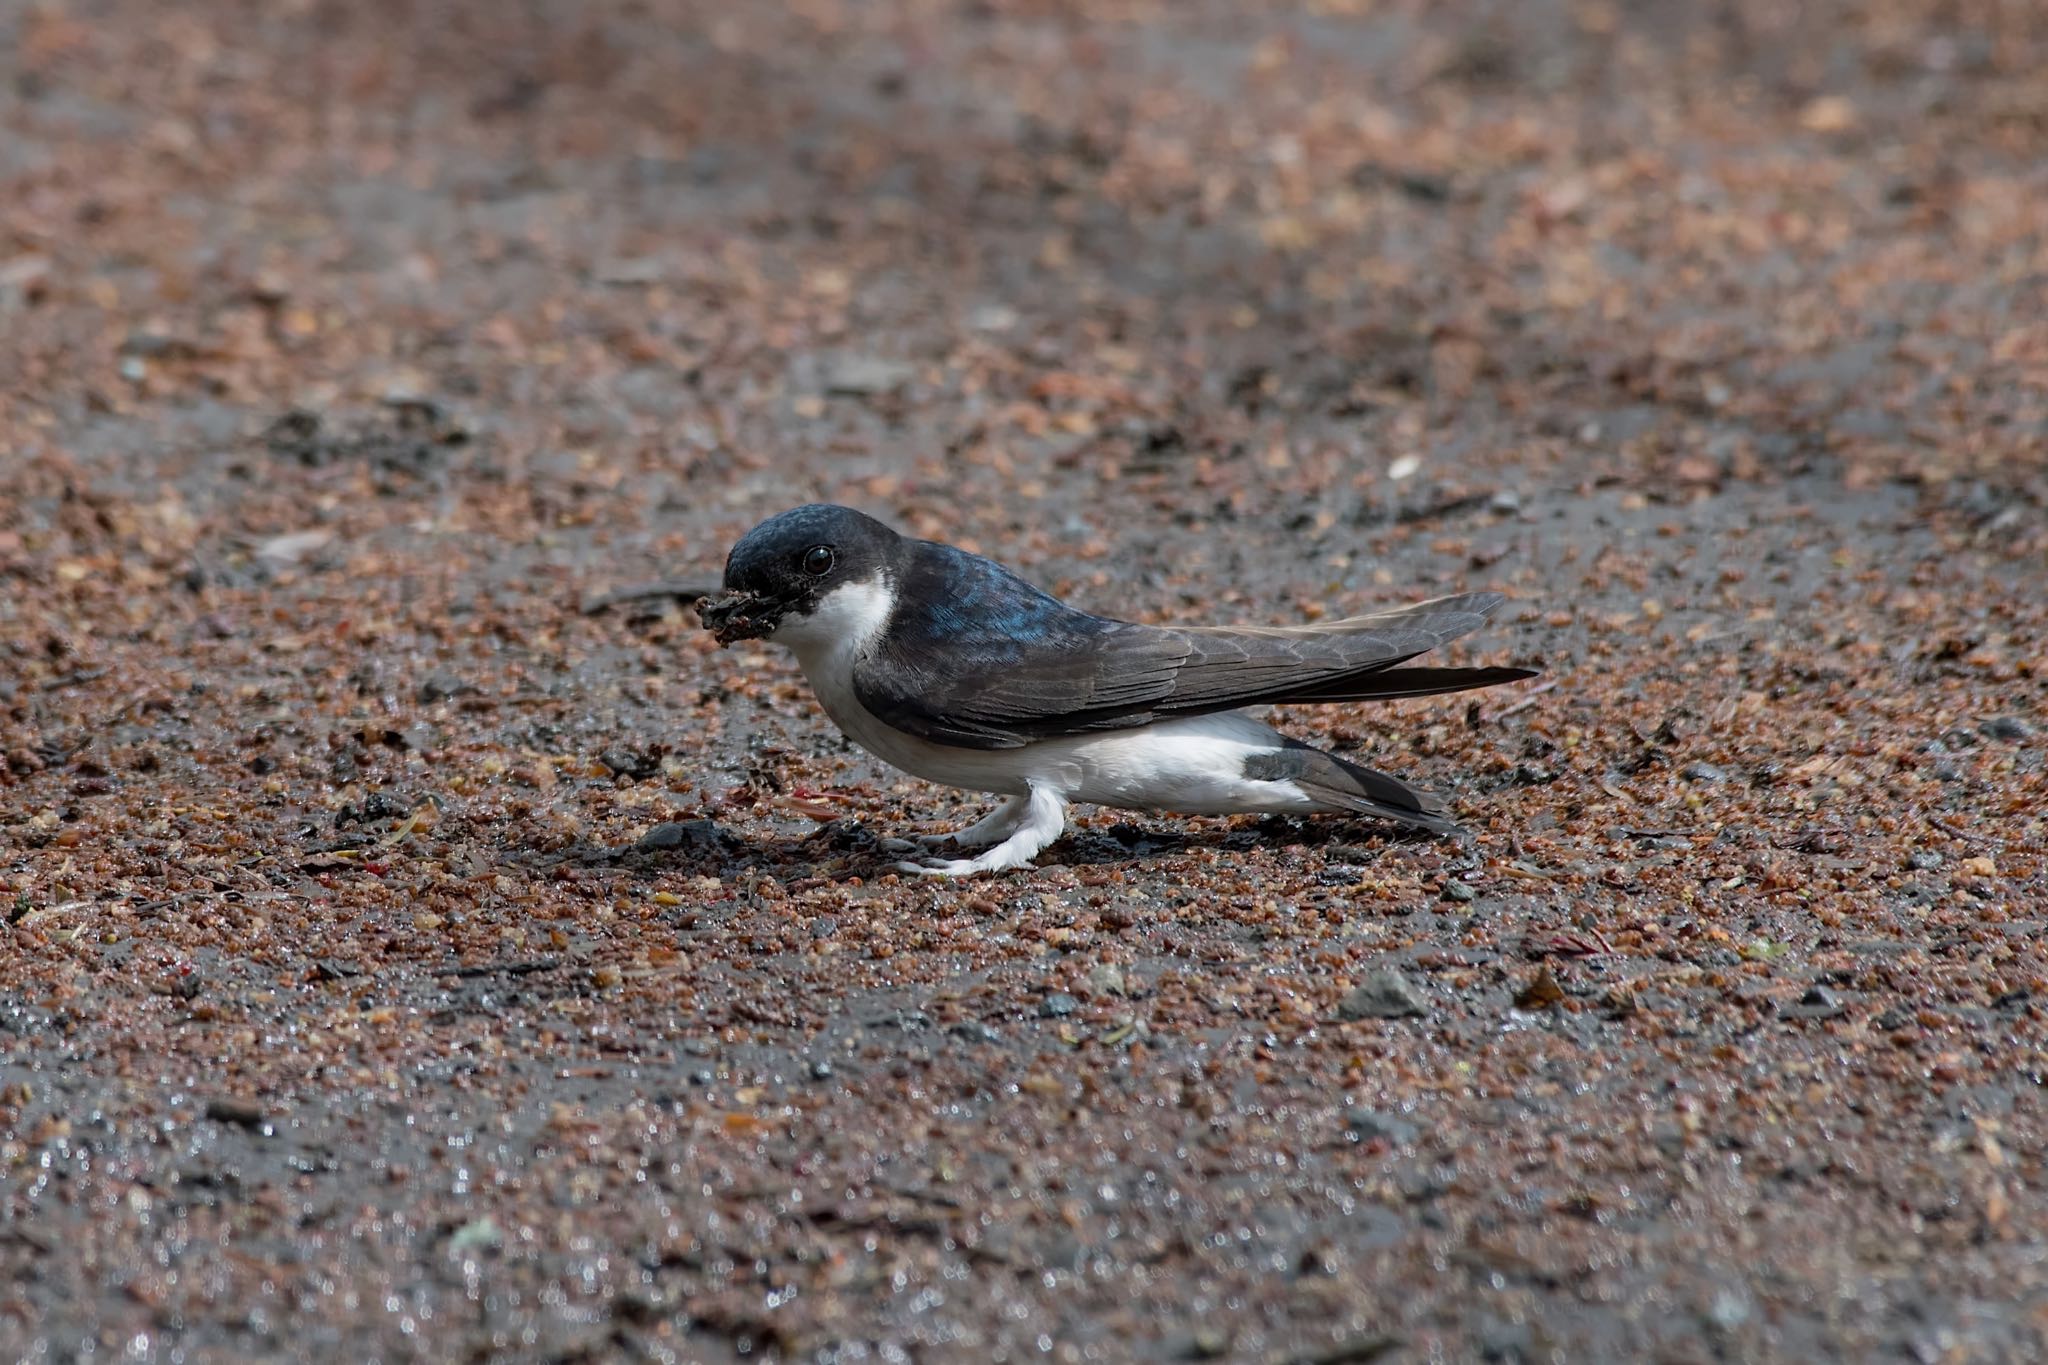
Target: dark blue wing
{"x":978,"y":658}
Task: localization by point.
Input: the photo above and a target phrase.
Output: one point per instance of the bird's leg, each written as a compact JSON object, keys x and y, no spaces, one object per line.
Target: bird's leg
{"x":998,"y":825}
{"x":1044,"y":816}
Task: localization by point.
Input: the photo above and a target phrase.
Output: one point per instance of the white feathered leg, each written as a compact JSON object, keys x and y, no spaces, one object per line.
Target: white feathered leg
{"x":998,"y":825}
{"x":1042,"y":816}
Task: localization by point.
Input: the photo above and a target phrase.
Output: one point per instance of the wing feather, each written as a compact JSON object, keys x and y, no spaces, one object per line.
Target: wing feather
{"x":1000,"y":664}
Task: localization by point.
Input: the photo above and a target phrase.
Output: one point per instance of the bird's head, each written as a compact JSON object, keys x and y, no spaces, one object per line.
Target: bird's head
{"x":804,"y":577}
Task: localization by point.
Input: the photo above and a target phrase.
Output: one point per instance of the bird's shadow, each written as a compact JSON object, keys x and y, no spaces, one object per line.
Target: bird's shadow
{"x":850,"y":848}
{"x":1129,"y":842}
{"x":846,"y":849}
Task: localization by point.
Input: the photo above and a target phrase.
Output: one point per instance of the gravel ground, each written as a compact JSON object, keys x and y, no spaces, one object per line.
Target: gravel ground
{"x":417,"y":941}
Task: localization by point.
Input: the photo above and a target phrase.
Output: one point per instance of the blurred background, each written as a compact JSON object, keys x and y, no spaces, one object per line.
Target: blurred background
{"x":1021,"y":264}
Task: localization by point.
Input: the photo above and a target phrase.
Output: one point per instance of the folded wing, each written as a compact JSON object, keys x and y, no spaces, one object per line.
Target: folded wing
{"x":1064,"y":672}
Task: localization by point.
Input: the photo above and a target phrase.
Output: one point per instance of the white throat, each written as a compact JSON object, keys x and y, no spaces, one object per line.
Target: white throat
{"x":830,"y":642}
{"x":845,"y":624}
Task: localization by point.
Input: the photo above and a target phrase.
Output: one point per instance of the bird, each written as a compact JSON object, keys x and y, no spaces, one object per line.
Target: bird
{"x":950,"y":667}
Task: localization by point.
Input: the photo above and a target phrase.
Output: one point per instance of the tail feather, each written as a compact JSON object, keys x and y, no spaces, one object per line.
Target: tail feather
{"x":1343,"y":785}
{"x":1408,"y":682}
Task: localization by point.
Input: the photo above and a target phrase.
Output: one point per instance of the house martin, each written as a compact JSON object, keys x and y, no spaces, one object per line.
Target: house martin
{"x":950,"y":667}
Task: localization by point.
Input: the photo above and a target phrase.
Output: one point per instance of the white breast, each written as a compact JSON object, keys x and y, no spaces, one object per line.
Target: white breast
{"x":830,"y":641}
{"x":1193,"y":765}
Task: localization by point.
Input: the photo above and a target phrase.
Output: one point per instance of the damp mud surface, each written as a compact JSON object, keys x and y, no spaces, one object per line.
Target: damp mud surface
{"x":419,"y":941}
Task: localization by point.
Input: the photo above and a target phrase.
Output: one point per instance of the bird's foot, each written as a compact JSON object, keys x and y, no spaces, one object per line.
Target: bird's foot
{"x":1029,"y":822}
{"x":959,"y":867}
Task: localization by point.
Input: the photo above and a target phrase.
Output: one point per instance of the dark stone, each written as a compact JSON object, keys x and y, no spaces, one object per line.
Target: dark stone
{"x":242,"y":1113}
{"x":671,"y":834}
{"x":2011,"y":729}
{"x":974,"y":1031}
{"x":1370,"y":1125}
{"x":631,"y":762}
{"x":442,"y":686}
{"x":1386,"y":994}
{"x":1818,"y":1003}
{"x":1058,"y":1005}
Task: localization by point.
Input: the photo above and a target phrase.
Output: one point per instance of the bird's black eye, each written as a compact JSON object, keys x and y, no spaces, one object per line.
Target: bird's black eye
{"x":818,"y":560}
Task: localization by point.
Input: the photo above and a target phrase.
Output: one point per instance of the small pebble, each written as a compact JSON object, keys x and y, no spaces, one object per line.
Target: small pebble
{"x":1459,"y":891}
{"x":676,"y":833}
{"x":1818,"y":1003}
{"x":1729,"y":1310}
{"x":1923,"y":860}
{"x":1386,"y":994}
{"x":1058,"y":1005}
{"x":857,"y":376}
{"x":476,"y":1234}
{"x":1370,"y":1125}
{"x":2011,"y":729}
{"x":1703,"y":772}
{"x":240,"y":1112}
{"x":440,"y":687}
{"x":1542,"y":993}
{"x":821,"y":1070}
{"x":1106,"y":978}
{"x":630,"y":762}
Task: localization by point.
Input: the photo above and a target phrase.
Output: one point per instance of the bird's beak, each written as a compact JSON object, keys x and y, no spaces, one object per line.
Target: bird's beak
{"x":738,"y":616}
